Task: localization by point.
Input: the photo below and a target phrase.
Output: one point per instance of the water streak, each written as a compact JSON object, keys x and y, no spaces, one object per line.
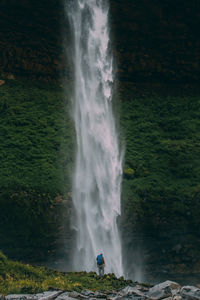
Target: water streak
{"x":97,"y":178}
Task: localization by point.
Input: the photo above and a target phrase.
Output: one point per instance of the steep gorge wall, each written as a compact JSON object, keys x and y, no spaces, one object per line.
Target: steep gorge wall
{"x":30,"y":39}
{"x":155,"y":41}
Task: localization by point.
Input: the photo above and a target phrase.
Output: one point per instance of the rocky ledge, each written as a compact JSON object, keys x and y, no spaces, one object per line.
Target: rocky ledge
{"x":167,"y":290}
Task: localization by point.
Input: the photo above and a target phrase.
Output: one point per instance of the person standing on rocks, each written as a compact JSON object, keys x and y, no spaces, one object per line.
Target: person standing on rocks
{"x":100,"y":264}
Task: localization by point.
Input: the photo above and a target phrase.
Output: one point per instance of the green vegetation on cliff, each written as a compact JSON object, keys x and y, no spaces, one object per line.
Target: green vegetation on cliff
{"x":161,"y":190}
{"x":36,"y":144}
{"x":33,"y":127}
{"x":162,"y":166}
{"x":161,"y":186}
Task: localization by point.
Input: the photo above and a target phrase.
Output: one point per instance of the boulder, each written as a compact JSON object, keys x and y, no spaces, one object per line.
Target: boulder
{"x":190,"y":292}
{"x":100,"y":295}
{"x":64,"y":296}
{"x":75,"y":294}
{"x":20,"y":297}
{"x":87,"y":293}
{"x":163,"y":290}
{"x":111,"y":296}
{"x":127,"y":290}
{"x":48,"y":295}
{"x":136,"y":290}
{"x":41,"y":296}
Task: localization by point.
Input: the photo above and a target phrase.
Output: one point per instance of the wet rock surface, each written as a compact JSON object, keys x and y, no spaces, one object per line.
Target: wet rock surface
{"x":167,"y":290}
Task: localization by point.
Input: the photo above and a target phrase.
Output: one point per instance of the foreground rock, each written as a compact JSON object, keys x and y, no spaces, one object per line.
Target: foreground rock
{"x":190,"y":292}
{"x":163,"y":290}
{"x":41,"y":296}
{"x":167,"y":290}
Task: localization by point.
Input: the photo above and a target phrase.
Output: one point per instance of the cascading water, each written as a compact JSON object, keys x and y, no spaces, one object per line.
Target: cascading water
{"x":97,"y":178}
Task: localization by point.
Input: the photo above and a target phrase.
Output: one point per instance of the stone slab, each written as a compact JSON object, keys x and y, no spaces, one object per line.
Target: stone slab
{"x":190,"y":293}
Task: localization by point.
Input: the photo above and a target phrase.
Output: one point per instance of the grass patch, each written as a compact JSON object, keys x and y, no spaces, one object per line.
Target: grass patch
{"x":20,"y":278}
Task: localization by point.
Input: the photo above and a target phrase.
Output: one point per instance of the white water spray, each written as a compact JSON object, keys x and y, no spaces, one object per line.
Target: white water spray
{"x":97,"y":178}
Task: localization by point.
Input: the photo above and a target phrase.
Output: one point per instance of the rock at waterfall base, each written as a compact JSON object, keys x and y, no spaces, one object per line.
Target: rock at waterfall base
{"x":190,"y":293}
{"x":163,"y":290}
{"x":167,"y":290}
{"x":41,"y":296}
{"x":64,"y":296}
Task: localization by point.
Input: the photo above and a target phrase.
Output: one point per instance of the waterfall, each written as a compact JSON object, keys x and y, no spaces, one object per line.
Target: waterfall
{"x":97,"y":176}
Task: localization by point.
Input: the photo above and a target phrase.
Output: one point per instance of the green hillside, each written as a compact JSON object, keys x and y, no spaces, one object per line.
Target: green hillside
{"x":161,"y":182}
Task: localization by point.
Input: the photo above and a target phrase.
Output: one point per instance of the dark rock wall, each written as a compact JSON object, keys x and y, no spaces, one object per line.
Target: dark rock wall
{"x":30,"y":38}
{"x":155,"y":41}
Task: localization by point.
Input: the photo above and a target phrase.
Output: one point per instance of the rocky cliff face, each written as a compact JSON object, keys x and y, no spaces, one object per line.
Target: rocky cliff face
{"x":155,"y":41}
{"x":30,"y":39}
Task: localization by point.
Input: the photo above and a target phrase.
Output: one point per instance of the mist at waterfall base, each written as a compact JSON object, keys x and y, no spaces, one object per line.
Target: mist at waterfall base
{"x":98,"y":170}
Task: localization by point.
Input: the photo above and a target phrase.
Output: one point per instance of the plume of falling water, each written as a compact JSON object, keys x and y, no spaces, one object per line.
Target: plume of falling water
{"x":97,"y":177}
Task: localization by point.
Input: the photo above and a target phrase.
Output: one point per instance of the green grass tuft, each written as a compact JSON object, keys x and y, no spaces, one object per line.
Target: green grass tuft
{"x":20,"y":278}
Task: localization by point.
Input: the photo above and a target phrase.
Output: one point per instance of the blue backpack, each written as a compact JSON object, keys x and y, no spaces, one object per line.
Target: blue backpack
{"x":100,"y":259}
